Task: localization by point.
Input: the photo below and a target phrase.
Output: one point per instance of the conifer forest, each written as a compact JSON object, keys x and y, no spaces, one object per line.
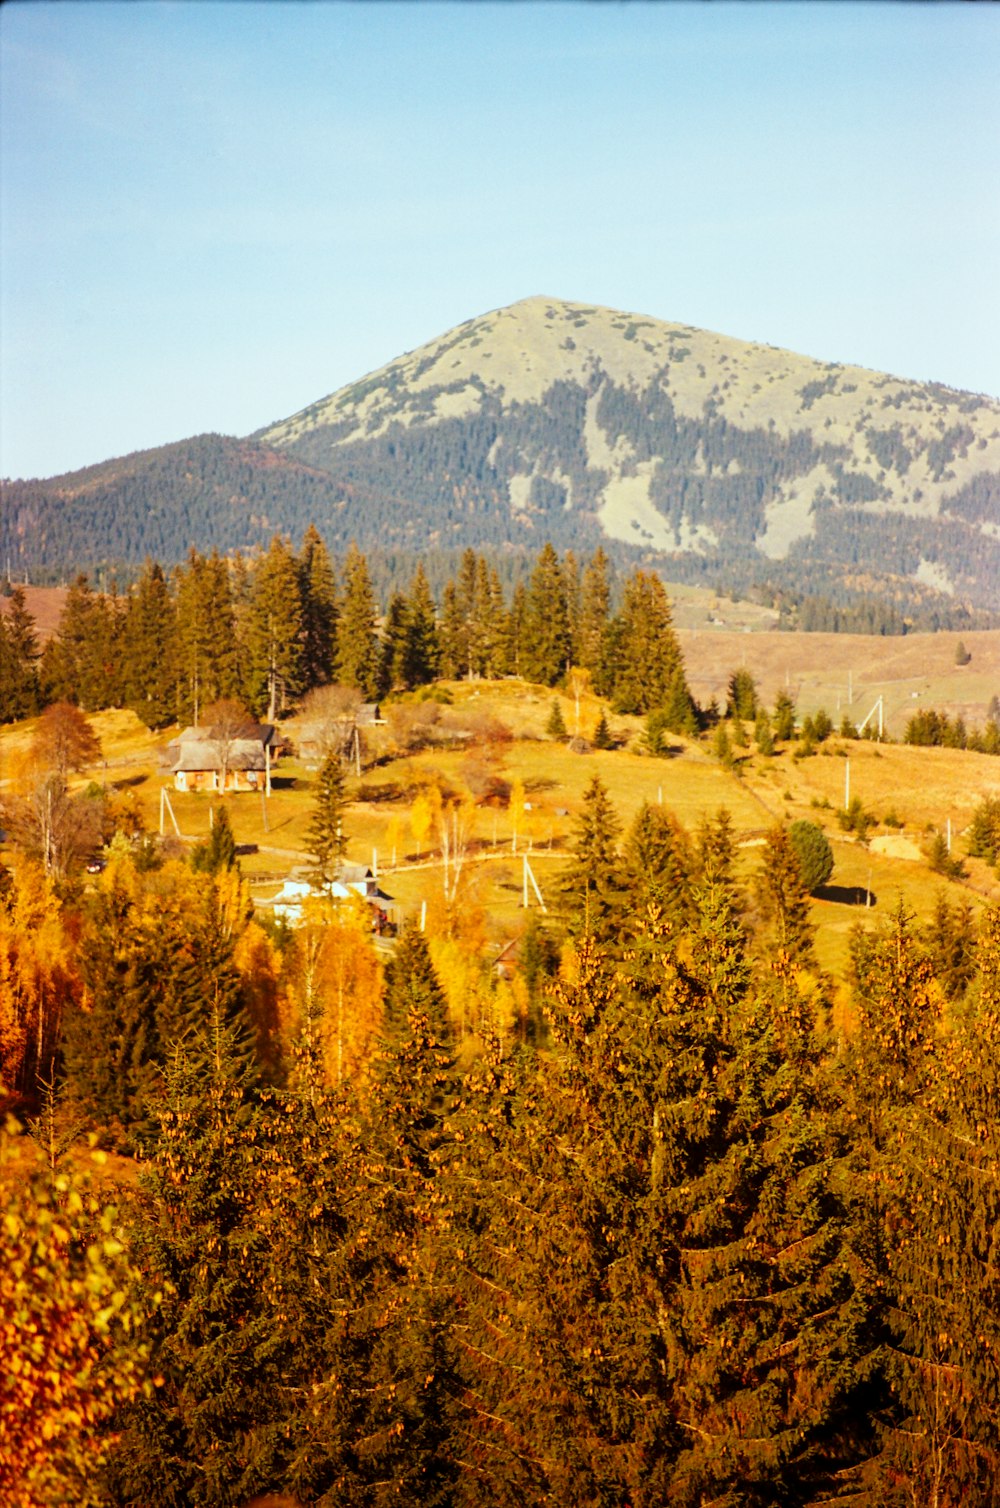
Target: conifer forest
{"x":662,"y":1213}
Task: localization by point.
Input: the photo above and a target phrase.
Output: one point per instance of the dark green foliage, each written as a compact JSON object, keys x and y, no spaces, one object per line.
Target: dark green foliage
{"x":645,"y":662}
{"x":782,"y":892}
{"x":318,"y":598}
{"x":941,"y":861}
{"x":783,"y":720}
{"x":327,"y":840}
{"x":357,"y":647}
{"x":984,"y":830}
{"x":741,"y":696}
{"x":19,"y":689}
{"x":273,"y":630}
{"x":546,"y":646}
{"x":602,"y":733}
{"x":150,"y":650}
{"x":556,"y":726}
{"x":592,"y":884}
{"x":218,"y":850}
{"x":813,"y":851}
{"x":856,"y":819}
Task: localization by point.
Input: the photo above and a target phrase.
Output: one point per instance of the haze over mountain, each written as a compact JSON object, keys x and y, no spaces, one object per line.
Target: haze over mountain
{"x":564,"y":421}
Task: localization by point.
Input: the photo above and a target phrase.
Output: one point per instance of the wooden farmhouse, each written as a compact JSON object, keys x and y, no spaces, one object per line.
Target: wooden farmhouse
{"x":201,"y":761}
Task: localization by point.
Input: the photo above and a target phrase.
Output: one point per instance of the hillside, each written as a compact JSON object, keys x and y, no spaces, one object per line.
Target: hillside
{"x":719,"y":460}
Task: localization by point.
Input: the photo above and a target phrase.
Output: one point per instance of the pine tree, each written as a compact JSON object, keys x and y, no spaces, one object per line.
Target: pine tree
{"x":783,"y":898}
{"x":206,"y":634}
{"x":648,"y":658}
{"x":556,"y":726}
{"x":591,"y":886}
{"x":19,"y":689}
{"x":318,"y":596}
{"x":150,"y":652}
{"x":422,"y":653}
{"x":326,"y":836}
{"x":784,"y":717}
{"x":545,"y":651}
{"x":413,"y":1089}
{"x":274,"y":630}
{"x":357,"y":648}
{"x":392,"y":666}
{"x":595,"y":607}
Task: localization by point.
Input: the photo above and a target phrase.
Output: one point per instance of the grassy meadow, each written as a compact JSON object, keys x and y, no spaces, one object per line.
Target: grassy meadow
{"x":910,"y":792}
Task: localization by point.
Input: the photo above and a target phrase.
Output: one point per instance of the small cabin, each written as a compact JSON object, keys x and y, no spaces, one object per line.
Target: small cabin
{"x":197,"y":759}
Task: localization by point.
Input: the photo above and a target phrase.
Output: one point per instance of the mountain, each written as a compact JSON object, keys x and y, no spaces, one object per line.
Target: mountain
{"x":713,"y":457}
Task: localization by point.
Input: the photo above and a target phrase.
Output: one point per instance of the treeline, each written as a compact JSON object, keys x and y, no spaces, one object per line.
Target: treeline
{"x":931,"y":729}
{"x":268,"y":630}
{"x":704,"y":1246}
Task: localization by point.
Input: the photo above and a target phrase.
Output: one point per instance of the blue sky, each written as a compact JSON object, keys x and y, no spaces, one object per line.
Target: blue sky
{"x":213,"y":214}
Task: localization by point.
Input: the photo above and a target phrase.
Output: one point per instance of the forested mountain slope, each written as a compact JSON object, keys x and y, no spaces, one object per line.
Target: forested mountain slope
{"x":710,"y":456}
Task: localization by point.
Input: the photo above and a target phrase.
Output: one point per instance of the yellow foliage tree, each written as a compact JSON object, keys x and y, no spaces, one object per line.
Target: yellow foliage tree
{"x":68,"y":1357}
{"x":259,"y":964}
{"x":38,"y":979}
{"x":339,"y":984}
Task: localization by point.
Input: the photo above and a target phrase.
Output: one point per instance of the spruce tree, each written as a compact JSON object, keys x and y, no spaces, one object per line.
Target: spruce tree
{"x":592,"y":885}
{"x":326,"y":837}
{"x":648,"y":669}
{"x":151,"y":650}
{"x":595,"y":605}
{"x":318,"y":597}
{"x":274,"y":631}
{"x":545,"y":649}
{"x":421,"y":657}
{"x":357,"y":647}
{"x":19,"y":689}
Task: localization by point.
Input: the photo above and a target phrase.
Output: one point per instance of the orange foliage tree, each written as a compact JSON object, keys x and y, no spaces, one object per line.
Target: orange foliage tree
{"x":338,"y":985}
{"x":38,"y":980}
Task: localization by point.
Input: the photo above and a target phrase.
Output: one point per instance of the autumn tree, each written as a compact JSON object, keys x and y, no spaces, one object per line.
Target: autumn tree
{"x":64,"y":740}
{"x":70,"y":1358}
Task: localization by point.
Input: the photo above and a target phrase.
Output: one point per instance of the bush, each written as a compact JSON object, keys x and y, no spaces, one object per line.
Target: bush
{"x":813,"y":851}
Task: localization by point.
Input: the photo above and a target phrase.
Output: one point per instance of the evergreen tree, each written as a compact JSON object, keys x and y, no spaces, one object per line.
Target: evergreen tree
{"x":545,"y":649}
{"x":556,"y":726}
{"x":393,"y":647}
{"x":595,"y":607}
{"x":318,"y":597}
{"x":206,"y":634}
{"x":648,"y":658}
{"x":413,"y":1089}
{"x":326,"y":836}
{"x":218,"y":851}
{"x":741,"y":696}
{"x":591,"y":886}
{"x":150,"y":650}
{"x":274,"y":631}
{"x":602,"y":733}
{"x":19,"y":689}
{"x":782,"y":894}
{"x":357,"y":646}
{"x":197,"y":1232}
{"x":784,"y":717}
{"x":422,"y":653}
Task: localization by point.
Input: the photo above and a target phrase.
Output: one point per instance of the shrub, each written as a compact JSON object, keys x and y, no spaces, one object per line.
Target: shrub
{"x":813,"y":851}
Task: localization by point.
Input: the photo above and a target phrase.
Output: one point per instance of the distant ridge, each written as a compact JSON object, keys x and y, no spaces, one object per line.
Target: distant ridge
{"x":709,"y":456}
